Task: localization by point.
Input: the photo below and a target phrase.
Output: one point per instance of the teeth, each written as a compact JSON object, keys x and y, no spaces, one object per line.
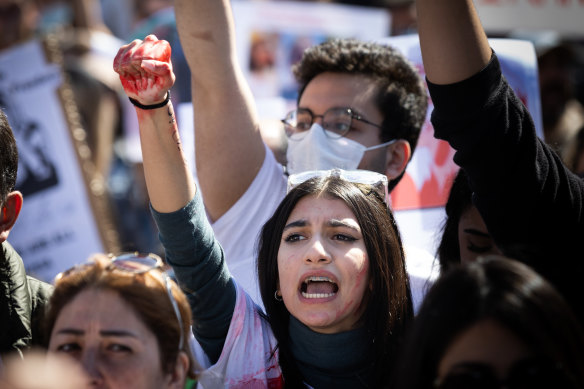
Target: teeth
{"x":317,"y":295}
{"x":314,"y":278}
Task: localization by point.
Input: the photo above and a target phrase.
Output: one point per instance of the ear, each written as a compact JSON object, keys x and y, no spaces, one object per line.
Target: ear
{"x":176,"y":380}
{"x":9,"y":213}
{"x":397,"y":158}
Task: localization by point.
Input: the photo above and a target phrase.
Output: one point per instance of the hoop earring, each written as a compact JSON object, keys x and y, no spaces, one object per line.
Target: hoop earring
{"x":276,"y":297}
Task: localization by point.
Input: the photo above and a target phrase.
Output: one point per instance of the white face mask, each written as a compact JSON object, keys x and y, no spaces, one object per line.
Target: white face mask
{"x":318,"y":152}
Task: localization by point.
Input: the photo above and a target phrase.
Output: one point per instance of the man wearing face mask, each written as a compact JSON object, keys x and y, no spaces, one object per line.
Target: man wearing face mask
{"x":361,"y":105}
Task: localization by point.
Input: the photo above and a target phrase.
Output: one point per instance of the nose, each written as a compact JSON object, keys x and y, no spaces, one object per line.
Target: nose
{"x":318,"y":119}
{"x":317,"y":252}
{"x":90,"y":363}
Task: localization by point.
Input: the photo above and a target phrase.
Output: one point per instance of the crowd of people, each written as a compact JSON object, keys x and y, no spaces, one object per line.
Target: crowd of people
{"x":295,"y":275}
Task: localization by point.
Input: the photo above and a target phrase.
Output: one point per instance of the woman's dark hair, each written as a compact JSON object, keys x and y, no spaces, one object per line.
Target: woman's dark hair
{"x":459,"y":201}
{"x":145,"y":292}
{"x":493,"y":288}
{"x":389,"y":307}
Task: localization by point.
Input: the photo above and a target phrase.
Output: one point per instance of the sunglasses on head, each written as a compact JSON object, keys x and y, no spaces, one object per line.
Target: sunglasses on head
{"x":530,"y":373}
{"x":377,"y":181}
{"x":137,"y":263}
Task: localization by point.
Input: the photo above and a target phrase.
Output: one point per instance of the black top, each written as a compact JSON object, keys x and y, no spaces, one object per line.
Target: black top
{"x":342,"y":360}
{"x":533,"y":206}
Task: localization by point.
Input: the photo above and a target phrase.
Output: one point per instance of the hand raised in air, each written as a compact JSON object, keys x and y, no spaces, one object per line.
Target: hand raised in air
{"x":145,"y":69}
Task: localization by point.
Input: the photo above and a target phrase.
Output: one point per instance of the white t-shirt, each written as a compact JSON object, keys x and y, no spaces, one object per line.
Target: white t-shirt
{"x":239,"y":228}
{"x":249,"y":358}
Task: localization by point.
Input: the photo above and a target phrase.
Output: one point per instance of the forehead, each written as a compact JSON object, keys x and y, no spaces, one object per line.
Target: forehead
{"x":100,"y":308}
{"x":329,"y":90}
{"x":315,"y":208}
{"x":471,"y":218}
{"x":485,"y":342}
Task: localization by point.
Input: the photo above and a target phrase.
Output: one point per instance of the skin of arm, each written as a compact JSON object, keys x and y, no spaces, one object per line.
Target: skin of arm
{"x":454,"y":45}
{"x":146,"y":74}
{"x":226,"y":127}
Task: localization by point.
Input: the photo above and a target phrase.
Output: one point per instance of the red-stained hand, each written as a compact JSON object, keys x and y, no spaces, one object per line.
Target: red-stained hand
{"x":145,"y":69}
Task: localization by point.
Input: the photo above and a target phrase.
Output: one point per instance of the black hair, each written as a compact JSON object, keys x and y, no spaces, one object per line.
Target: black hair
{"x":459,"y":201}
{"x":493,"y":288}
{"x":8,"y":158}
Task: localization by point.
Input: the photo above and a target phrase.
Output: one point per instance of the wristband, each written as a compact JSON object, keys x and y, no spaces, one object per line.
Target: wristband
{"x":152,"y":106}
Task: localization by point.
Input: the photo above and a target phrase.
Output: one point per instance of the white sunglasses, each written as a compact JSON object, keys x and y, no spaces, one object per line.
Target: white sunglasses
{"x":376,"y":180}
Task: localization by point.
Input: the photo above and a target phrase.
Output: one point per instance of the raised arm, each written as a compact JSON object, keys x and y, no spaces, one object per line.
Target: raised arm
{"x":532,"y":205}
{"x":226,"y":128}
{"x":196,"y":257}
{"x":454,"y":45}
{"x":146,"y":75}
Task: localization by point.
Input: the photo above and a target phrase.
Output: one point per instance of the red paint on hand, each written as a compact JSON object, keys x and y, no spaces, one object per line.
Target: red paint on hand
{"x":145,"y":69}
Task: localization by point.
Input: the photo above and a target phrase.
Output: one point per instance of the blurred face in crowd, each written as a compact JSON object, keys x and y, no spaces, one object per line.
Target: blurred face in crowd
{"x":485,"y":348}
{"x":116,"y":349}
{"x":473,"y":237}
{"x":323,"y":265}
{"x":555,"y":70}
{"x":18,"y":19}
{"x":40,"y":370}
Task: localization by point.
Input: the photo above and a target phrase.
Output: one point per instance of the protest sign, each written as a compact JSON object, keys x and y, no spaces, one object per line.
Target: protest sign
{"x":65,"y":215}
{"x":271,"y":37}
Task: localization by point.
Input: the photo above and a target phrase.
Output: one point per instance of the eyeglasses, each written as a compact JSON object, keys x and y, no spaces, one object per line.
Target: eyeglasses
{"x":336,"y":122}
{"x":377,"y":181}
{"x":137,"y":263}
{"x":532,"y":373}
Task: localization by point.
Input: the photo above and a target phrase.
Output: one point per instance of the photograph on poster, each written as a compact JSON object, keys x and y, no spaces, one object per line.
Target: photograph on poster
{"x":57,"y":227}
{"x":271,"y":37}
{"x":36,"y":166}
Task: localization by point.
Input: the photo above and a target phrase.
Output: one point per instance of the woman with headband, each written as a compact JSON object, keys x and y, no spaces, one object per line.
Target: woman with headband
{"x":330,"y":265}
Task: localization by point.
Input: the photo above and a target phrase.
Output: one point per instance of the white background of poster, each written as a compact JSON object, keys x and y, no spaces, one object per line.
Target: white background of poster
{"x":563,"y":16}
{"x":56,"y":227}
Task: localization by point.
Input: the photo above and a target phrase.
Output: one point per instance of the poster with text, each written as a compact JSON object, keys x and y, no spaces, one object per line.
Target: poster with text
{"x":57,"y":226}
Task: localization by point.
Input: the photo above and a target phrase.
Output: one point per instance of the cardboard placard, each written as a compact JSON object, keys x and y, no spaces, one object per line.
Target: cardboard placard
{"x":65,"y":216}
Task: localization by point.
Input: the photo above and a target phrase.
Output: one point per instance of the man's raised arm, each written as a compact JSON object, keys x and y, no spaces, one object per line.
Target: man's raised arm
{"x":454,"y":45}
{"x":229,"y":149}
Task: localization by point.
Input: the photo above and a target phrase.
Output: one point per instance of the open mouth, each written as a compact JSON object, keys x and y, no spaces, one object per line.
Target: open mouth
{"x":318,"y":287}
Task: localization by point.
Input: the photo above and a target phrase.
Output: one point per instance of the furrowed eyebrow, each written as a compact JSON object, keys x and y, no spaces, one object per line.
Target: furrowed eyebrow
{"x":121,"y":333}
{"x":75,"y":331}
{"x":472,"y":231}
{"x":297,"y":223}
{"x":70,"y":331}
{"x":340,"y":223}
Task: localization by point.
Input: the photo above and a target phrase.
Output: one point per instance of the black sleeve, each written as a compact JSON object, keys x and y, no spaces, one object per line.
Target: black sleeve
{"x":531,"y":203}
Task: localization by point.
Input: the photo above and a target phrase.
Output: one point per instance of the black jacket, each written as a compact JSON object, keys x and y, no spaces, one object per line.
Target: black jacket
{"x":22,"y":303}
